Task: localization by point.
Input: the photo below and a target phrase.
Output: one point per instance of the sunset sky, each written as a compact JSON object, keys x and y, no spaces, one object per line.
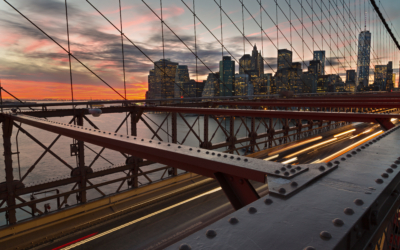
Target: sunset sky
{"x":34,"y":67}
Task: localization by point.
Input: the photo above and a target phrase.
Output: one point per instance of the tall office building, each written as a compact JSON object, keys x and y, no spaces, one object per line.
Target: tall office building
{"x":284,"y":59}
{"x":162,"y":80}
{"x":227,"y":75}
{"x":380,"y":76}
{"x":350,"y":84}
{"x":245,"y":64}
{"x":389,"y":78}
{"x":320,"y":56}
{"x":212,"y":85}
{"x":363,"y":60}
{"x":181,"y":77}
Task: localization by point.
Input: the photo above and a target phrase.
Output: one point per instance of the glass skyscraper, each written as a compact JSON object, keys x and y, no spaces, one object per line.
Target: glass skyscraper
{"x":227,"y":75}
{"x":320,"y":55}
{"x":363,"y":60}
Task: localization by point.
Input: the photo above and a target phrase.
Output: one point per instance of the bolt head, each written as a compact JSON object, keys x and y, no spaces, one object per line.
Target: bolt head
{"x":211,"y":233}
{"x":184,"y":247}
{"x":233,"y":221}
{"x":379,"y":181}
{"x":385,"y":175}
{"x":325,"y":235}
{"x":252,"y":210}
{"x":268,"y":201}
{"x":294,"y":184}
{"x":286,"y":174}
{"x":394,"y":166}
{"x":389,"y":170}
{"x":358,"y":202}
{"x":277,"y":172}
{"x":338,"y":222}
{"x":349,"y":211}
{"x":282,"y":191}
{"x":321,"y":168}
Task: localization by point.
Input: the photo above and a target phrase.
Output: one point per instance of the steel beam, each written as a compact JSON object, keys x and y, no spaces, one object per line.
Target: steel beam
{"x":195,"y":160}
{"x":348,"y":209}
{"x":339,"y":103}
{"x":7,"y":126}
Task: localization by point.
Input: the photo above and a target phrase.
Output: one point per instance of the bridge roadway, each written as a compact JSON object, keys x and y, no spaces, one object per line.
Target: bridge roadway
{"x":162,"y":224}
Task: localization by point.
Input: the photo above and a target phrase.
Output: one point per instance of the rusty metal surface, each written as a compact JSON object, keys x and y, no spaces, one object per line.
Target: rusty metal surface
{"x":346,"y":209}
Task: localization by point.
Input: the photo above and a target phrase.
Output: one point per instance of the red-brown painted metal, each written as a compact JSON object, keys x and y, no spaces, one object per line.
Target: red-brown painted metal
{"x":317,"y":104}
{"x":330,"y":116}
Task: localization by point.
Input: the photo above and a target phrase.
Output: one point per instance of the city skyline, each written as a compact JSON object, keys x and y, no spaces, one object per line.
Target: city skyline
{"x":34,"y":67}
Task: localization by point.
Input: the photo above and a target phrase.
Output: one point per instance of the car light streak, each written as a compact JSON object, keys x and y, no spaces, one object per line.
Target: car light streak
{"x":344,"y":133}
{"x":311,"y":147}
{"x":289,"y":161}
{"x":295,"y":145}
{"x":140,"y":219}
{"x":271,"y":158}
{"x":346,"y":149}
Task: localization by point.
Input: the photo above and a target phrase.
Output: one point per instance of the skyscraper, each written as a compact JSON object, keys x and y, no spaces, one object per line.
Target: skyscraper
{"x":284,"y":59}
{"x":245,"y":64}
{"x":162,"y":80}
{"x":212,"y":85}
{"x":320,"y":55}
{"x":380,"y":76}
{"x":363,"y":60}
{"x":181,"y":77}
{"x":227,"y":75}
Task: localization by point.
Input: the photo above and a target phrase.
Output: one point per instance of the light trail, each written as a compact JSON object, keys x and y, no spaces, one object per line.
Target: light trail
{"x":271,"y":158}
{"x":344,"y":133}
{"x":140,"y":219}
{"x":346,"y":149}
{"x":289,"y":161}
{"x":311,"y":147}
{"x":295,"y":145}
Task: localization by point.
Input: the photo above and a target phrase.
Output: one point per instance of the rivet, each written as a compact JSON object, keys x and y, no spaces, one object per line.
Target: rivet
{"x":184,"y":247}
{"x":393,"y":166}
{"x":286,"y":173}
{"x":397,"y":162}
{"x":268,"y":201}
{"x":338,"y":222}
{"x":169,"y":145}
{"x":252,"y":210}
{"x":142,"y":139}
{"x":293,"y":171}
{"x":232,"y":157}
{"x":358,"y":202}
{"x":121,"y":135}
{"x":219,"y":155}
{"x":233,"y":220}
{"x":225,"y":156}
{"x":213,"y":153}
{"x":337,"y":162}
{"x":198,"y":151}
{"x":283,"y":169}
{"x":277,"y":172}
{"x":238,"y":158}
{"x":389,"y":170}
{"x":289,"y":166}
{"x":294,"y":184}
{"x":367,"y":145}
{"x":349,"y":211}
{"x":358,"y":149}
{"x":282,"y":191}
{"x":190,"y":149}
{"x":329,"y":164}
{"x":363,"y":147}
{"x":246,"y":160}
{"x":150,"y":141}
{"x":211,"y":233}
{"x":159,"y":143}
{"x":385,"y":175}
{"x":207,"y":152}
{"x":298,"y":168}
{"x":325,"y":235}
{"x":379,"y":181}
{"x":343,"y":159}
{"x":349,"y":155}
{"x":354,"y":152}
{"x":321,"y":168}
